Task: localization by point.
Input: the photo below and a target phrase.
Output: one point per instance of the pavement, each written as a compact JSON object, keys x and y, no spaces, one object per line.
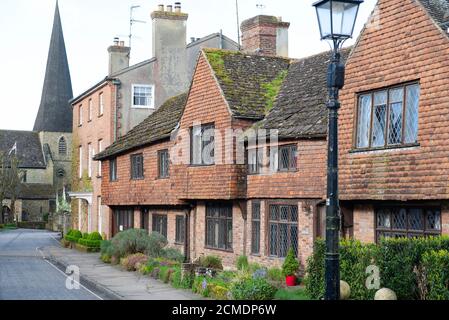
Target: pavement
{"x":25,"y":275}
{"x":106,"y":281}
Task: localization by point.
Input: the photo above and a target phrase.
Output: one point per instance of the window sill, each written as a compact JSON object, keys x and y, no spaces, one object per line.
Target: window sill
{"x":221,"y":250}
{"x":137,"y":179}
{"x":163,"y":178}
{"x":142,"y":107}
{"x":99,"y":177}
{"x":395,"y":147}
{"x":201,"y":165}
{"x":179,"y":243}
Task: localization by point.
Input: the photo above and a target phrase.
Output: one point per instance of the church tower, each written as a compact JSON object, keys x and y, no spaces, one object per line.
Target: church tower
{"x":54,"y":119}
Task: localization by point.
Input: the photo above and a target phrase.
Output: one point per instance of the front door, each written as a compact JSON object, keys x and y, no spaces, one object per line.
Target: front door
{"x":123,"y":220}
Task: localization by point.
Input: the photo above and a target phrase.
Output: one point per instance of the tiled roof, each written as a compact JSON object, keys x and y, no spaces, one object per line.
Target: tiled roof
{"x":156,"y":127}
{"x":29,"y":148}
{"x":55,"y":113}
{"x":439,"y":11}
{"x":249,"y":82}
{"x":31,"y":191}
{"x":300,"y":110}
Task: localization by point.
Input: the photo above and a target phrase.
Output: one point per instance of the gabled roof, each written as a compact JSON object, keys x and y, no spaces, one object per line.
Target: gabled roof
{"x":249,"y":83}
{"x":29,"y":148}
{"x":156,"y":127}
{"x":439,"y":11}
{"x":55,"y":113}
{"x":300,"y":110}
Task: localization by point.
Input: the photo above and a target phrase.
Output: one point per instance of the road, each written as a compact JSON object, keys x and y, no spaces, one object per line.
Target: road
{"x":26,"y":275}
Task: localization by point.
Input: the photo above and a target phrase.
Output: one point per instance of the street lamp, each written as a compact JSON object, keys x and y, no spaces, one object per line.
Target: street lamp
{"x":336,"y":19}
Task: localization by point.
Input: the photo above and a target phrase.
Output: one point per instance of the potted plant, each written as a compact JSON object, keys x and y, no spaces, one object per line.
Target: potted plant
{"x":290,"y":267}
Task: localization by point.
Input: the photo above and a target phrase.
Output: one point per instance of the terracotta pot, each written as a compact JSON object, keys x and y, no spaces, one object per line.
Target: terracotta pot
{"x":290,"y":281}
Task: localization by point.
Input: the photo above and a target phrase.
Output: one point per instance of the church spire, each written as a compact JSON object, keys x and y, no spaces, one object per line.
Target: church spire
{"x":55,"y":113}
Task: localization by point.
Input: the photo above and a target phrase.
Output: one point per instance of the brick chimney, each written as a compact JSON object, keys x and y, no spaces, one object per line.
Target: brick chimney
{"x":265,"y":35}
{"x":118,"y":56}
{"x":169,"y":48}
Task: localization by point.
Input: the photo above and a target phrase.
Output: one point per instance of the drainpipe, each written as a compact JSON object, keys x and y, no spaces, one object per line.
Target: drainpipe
{"x":117,"y":84}
{"x":187,"y":235}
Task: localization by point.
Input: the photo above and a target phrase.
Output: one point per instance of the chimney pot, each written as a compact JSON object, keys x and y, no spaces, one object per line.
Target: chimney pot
{"x":161,"y":8}
{"x":178,"y":7}
{"x":122,"y":43}
{"x":169,"y":8}
{"x":192,"y":39}
{"x":116,"y":40}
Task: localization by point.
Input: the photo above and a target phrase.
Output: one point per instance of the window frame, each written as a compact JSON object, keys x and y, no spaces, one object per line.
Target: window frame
{"x":90,"y":155}
{"x":279,"y":222}
{"x":161,"y":218}
{"x":90,"y":110}
{"x":100,"y":104}
{"x":159,"y":164}
{"x":228,"y":244}
{"x":254,"y":222}
{"x":151,"y":87}
{"x":80,"y":159}
{"x":386,"y":144}
{"x":180,"y":234}
{"x":80,"y":115}
{"x":203,"y":127}
{"x":407,"y":232}
{"x":100,"y":166}
{"x":62,"y":145}
{"x":291,"y":167}
{"x":135,"y":172}
{"x":113,"y":176}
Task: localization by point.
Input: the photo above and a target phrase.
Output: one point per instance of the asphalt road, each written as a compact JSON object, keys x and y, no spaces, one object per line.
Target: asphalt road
{"x":26,"y":275}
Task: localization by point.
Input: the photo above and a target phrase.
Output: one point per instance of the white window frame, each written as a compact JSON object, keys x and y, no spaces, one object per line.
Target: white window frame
{"x":151,"y":106}
{"x":90,"y":110}
{"x":81,"y":162}
{"x":100,"y":149}
{"x":101,"y":104}
{"x":91,"y":152}
{"x":80,"y":115}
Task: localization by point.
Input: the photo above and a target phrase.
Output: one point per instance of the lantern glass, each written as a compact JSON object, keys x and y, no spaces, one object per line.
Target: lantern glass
{"x":337,"y":18}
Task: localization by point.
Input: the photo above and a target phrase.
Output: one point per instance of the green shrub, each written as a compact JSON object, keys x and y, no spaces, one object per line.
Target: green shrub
{"x":1,"y":226}
{"x":314,"y":280}
{"x":242,"y":263}
{"x":85,"y":235}
{"x":436,"y":266}
{"x":73,"y":235}
{"x":275,"y":274}
{"x":291,"y":264}
{"x":253,"y":267}
{"x":156,"y":243}
{"x":199,"y":286}
{"x":175,"y":279}
{"x":173,"y":254}
{"x":253,"y":289}
{"x":90,"y":243}
{"x":187,"y":281}
{"x":355,"y":257}
{"x":95,"y":236}
{"x":212,"y":262}
{"x":164,"y":273}
{"x":134,"y":241}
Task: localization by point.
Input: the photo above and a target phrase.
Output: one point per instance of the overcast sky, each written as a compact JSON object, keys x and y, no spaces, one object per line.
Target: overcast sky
{"x":90,"y":26}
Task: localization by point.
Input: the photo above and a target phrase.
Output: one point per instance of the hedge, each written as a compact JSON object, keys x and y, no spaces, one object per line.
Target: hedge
{"x":73,"y":236}
{"x":436,"y":268}
{"x":400,"y":262}
{"x":92,"y":240}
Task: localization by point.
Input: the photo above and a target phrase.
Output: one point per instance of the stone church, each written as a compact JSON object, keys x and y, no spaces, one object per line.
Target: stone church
{"x":45,"y":153}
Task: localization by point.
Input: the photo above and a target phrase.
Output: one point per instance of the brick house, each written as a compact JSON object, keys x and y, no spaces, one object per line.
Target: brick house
{"x":259,"y":203}
{"x":393,"y":151}
{"x":123,"y":99}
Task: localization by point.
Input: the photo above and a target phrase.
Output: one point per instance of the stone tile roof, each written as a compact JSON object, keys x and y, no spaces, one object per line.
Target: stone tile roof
{"x":55,"y":113}
{"x":31,"y":191}
{"x":300,"y":110}
{"x":250,"y":83}
{"x":156,"y":127}
{"x":439,"y":11}
{"x":29,"y":148}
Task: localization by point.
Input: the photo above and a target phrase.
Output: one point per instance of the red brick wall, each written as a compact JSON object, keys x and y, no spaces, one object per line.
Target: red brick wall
{"x":308,"y":182}
{"x":205,"y":105}
{"x":149,"y":191}
{"x":407,"y":46}
{"x":364,"y":223}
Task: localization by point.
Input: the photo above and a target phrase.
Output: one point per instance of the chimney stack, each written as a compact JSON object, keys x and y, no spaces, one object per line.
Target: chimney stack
{"x":178,"y":7}
{"x":265,"y":35}
{"x":118,"y":56}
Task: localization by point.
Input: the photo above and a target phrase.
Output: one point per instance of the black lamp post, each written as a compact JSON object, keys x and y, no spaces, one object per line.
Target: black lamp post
{"x":337,"y":20}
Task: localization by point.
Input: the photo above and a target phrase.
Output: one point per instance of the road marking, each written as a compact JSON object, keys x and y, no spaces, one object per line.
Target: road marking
{"x":65,"y":275}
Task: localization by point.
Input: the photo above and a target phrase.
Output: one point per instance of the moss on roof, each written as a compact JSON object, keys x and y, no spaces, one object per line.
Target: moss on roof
{"x":156,"y":127}
{"x":250,"y":83}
